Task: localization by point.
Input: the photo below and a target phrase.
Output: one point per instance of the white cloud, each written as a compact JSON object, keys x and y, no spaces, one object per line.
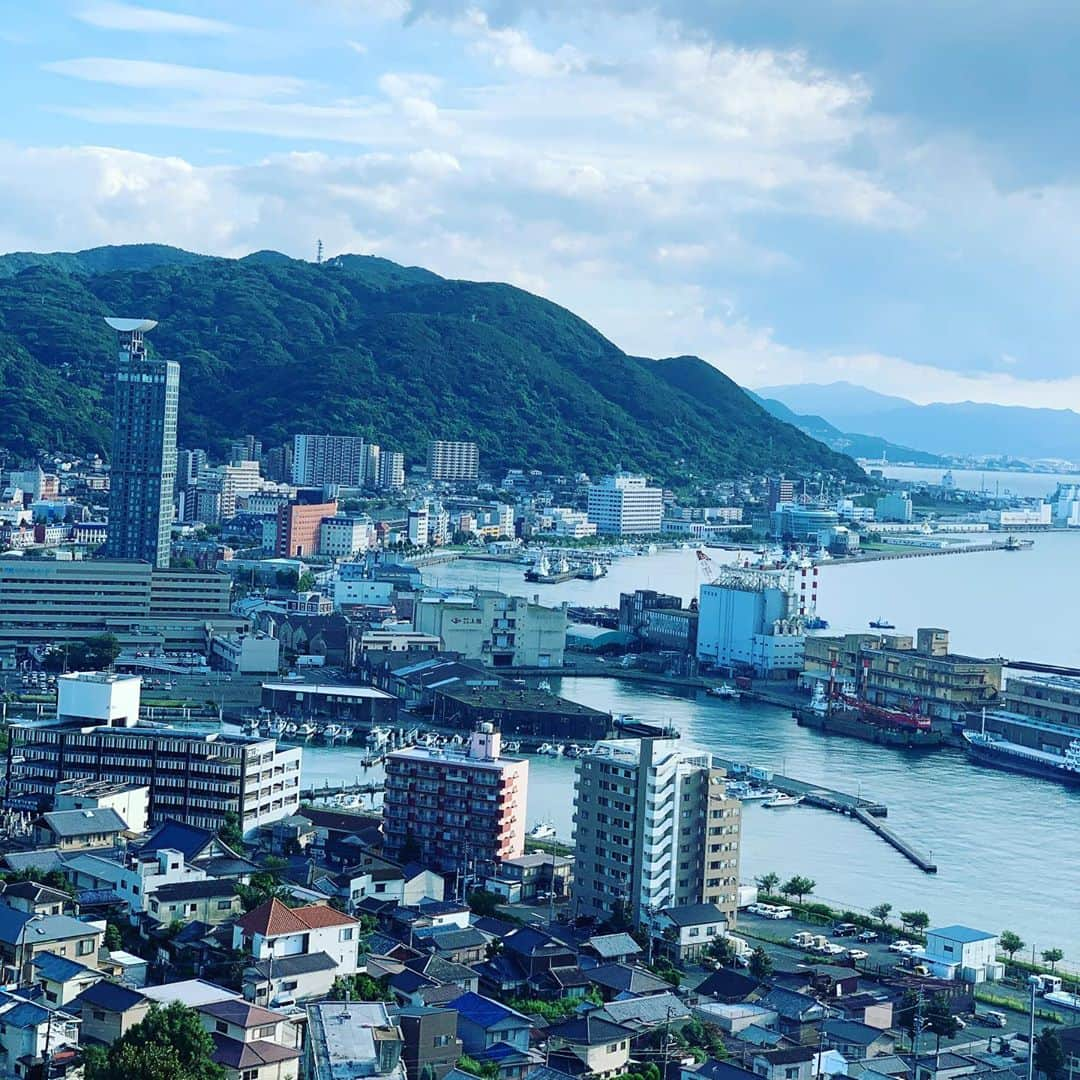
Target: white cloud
{"x":512,"y":50}
{"x":142,"y":20}
{"x":357,"y":47}
{"x":152,"y":75}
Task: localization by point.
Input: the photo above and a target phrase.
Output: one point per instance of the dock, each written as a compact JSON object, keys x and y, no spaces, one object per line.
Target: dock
{"x":905,"y":849}
{"x":329,"y":791}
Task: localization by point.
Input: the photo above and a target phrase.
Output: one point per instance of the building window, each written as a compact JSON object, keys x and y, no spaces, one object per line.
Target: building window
{"x":346,"y":934}
{"x":86,"y":947}
{"x":221,"y":1027}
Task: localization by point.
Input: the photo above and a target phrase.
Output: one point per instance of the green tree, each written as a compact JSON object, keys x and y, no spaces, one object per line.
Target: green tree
{"x":914,"y":920}
{"x":767,"y":883}
{"x":1010,"y":942}
{"x":722,"y":950}
{"x":287,"y":579}
{"x":1052,"y":957}
{"x":169,"y":1044}
{"x":361,"y":987}
{"x":230,"y":833}
{"x":1049,"y":1054}
{"x":53,"y":878}
{"x":798,"y":886}
{"x":940,"y":1019}
{"x":881,"y":912}
{"x":306,"y":582}
{"x":113,"y":938}
{"x":906,"y":1011}
{"x":484,"y":903}
{"x":487,"y":1070}
{"x":761,"y":964}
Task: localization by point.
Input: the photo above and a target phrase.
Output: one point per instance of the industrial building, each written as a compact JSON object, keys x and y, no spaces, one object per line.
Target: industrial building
{"x":44,"y":601}
{"x":654,"y":829}
{"x":455,"y":810}
{"x":898,"y":671}
{"x":196,"y":777}
{"x":753,"y":621}
{"x":625,"y":505}
{"x":357,"y":706}
{"x":1041,"y":712}
{"x":516,"y":710}
{"x":494,"y":629}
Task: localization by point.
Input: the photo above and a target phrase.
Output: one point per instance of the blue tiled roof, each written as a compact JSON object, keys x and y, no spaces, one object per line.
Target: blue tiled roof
{"x":25,"y":1015}
{"x":484,"y":1012}
{"x":188,"y":839}
{"x":58,"y":968}
{"x":110,"y":996}
{"x":11,"y":924}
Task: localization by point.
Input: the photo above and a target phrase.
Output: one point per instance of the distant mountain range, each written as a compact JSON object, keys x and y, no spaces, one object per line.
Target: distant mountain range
{"x":871,"y":447}
{"x":360,"y":345}
{"x":962,"y":429}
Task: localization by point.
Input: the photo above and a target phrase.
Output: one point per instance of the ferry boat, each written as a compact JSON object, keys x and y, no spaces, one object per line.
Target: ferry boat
{"x":592,"y":571}
{"x":781,"y":801}
{"x":542,"y":830}
{"x":999,"y":753}
{"x":729,"y":693}
{"x":881,"y":624}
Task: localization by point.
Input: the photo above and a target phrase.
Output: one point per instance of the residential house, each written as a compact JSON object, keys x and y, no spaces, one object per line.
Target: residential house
{"x":734,"y":1018}
{"x":875,"y":1009}
{"x":611,"y":949}
{"x":23,"y":936}
{"x":644,"y":1015}
{"x":108,"y":1010}
{"x":28,"y":1031}
{"x":688,"y":930}
{"x":354,"y":1039}
{"x":430,"y":1044}
{"x":36,"y":899}
{"x":250,"y":1042}
{"x":201,"y":848}
{"x":211,"y":901}
{"x":856,"y":1041}
{"x":526,"y":878}
{"x":75,"y":830}
{"x":589,"y":1045}
{"x":619,"y":981}
{"x":483,"y":1022}
{"x":62,"y":980}
{"x":798,"y":1015}
{"x":462,"y":945}
{"x":790,"y":1063}
{"x":728,"y":985}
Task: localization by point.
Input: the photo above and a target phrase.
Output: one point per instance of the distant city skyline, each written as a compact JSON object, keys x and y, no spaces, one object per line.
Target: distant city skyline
{"x":795,"y":193}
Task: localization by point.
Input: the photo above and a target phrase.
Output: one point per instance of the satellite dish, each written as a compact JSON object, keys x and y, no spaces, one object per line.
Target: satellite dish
{"x":128,"y":326}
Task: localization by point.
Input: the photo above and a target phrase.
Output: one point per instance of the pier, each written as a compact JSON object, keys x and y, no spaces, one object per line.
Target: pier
{"x":331,"y":791}
{"x":905,"y":849}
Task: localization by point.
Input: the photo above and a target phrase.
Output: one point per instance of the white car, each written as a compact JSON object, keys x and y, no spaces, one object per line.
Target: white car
{"x":829,"y":949}
{"x":856,"y":955}
{"x":900,"y":945}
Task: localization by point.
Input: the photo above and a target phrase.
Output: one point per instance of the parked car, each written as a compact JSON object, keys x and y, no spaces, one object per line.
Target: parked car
{"x":857,"y":955}
{"x":868,"y":935}
{"x":831,"y":949}
{"x":993,"y":1018}
{"x":845,"y":929}
{"x":802,"y":940}
{"x":901,"y":946}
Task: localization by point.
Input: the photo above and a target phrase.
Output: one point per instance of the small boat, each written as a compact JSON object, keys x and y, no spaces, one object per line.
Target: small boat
{"x":544,"y":685}
{"x":542,"y":830}
{"x":881,"y":624}
{"x":512,"y":747}
{"x":550,"y":750}
{"x":729,"y":693}
{"x":306,"y":731}
{"x":746,"y":793}
{"x":781,"y":801}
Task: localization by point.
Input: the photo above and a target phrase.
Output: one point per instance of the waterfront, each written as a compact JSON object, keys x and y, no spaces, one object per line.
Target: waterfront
{"x":1026,"y":485}
{"x":1005,"y":844}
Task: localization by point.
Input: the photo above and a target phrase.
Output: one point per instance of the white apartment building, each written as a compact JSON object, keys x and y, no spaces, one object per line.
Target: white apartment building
{"x":624,"y":505}
{"x":417,"y":531}
{"x":391,"y":470}
{"x":229,"y":483}
{"x":573,"y":524}
{"x":451,"y":461}
{"x":328,"y":459}
{"x":653,"y":829}
{"x":341,"y":537}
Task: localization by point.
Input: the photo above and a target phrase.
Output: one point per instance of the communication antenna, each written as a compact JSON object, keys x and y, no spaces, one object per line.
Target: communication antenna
{"x":318,"y":252}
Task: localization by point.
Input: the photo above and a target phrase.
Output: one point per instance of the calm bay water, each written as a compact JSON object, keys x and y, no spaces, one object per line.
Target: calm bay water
{"x":1024,"y":484}
{"x":1007,"y":846}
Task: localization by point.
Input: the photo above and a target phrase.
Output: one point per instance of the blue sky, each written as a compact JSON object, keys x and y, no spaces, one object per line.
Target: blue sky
{"x":881,"y":192}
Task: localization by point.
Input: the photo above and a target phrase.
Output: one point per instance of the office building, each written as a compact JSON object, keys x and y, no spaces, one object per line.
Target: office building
{"x":298,"y":527}
{"x":277,"y":463}
{"x":653,"y":829}
{"x":802,"y":524}
{"x":340,"y":537}
{"x":417,"y":526}
{"x":372,"y":460}
{"x":569,"y":523}
{"x":781,"y":492}
{"x":896,"y":506}
{"x":44,"y":601}
{"x":455,"y":810}
{"x":142,"y":471}
{"x":190,"y":464}
{"x":625,"y":505}
{"x":391,"y":471}
{"x":897,"y":670}
{"x":753,"y":622}
{"x":246,"y":449}
{"x":229,"y":483}
{"x":495,"y":629}
{"x":453,"y":461}
{"x":318,"y":460}
{"x":196,"y":777}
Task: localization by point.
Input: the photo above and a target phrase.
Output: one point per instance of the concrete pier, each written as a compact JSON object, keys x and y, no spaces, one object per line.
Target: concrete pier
{"x":905,"y":849}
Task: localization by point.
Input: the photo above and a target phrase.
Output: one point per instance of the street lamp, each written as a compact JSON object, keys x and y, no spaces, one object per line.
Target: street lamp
{"x":1033,"y":983}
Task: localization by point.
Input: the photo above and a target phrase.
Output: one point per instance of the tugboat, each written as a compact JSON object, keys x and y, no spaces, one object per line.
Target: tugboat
{"x":881,"y":624}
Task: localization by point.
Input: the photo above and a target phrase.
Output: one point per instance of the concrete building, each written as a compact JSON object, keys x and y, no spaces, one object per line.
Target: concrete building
{"x":391,"y":471}
{"x":453,"y":461}
{"x":1038,"y":711}
{"x":354,"y":1039}
{"x":142,"y":473}
{"x":44,"y":601}
{"x":130,"y":801}
{"x":494,"y":629}
{"x":221,"y":488}
{"x":654,"y":829}
{"x":455,"y":810}
{"x":633,"y":608}
{"x":572,"y":524}
{"x":245,"y":653}
{"x":417,"y":527}
{"x":752,"y":622}
{"x":896,"y":506}
{"x":195,"y":777}
{"x":318,"y":460}
{"x":896,"y":670}
{"x":298,"y":527}
{"x":342,"y":537}
{"x":781,"y":492}
{"x":802,"y":524}
{"x":959,"y":952}
{"x":624,"y":505}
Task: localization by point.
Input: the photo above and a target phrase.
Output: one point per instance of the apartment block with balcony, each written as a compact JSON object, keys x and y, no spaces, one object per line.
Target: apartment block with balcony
{"x":653,"y":829}
{"x":455,"y":810}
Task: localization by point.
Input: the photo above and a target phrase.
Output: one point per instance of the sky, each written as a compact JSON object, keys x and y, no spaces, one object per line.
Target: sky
{"x":886,"y":193}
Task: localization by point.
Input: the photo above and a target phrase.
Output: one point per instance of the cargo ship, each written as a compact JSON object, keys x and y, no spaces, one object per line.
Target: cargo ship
{"x":841,"y":712}
{"x":999,"y":753}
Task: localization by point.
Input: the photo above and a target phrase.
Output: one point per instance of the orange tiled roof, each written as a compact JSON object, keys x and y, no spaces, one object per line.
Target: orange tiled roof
{"x":274,"y":918}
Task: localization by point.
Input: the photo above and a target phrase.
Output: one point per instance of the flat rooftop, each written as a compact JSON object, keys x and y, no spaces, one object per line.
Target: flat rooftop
{"x":324,"y":689}
{"x":513,"y":698}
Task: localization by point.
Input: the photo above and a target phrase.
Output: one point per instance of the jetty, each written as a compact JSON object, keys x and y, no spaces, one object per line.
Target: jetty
{"x":905,"y":849}
{"x":331,"y":791}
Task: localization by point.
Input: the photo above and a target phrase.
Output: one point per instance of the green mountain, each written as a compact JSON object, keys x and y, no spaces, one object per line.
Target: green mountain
{"x":872,"y":447}
{"x":360,"y":345}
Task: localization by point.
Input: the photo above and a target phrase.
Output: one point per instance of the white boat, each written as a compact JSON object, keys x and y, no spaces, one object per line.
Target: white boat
{"x":544,"y":685}
{"x":512,"y":747}
{"x":550,"y":750}
{"x":745,"y":792}
{"x":542,"y":830}
{"x":781,"y":801}
{"x":306,"y":731}
{"x":729,"y":693}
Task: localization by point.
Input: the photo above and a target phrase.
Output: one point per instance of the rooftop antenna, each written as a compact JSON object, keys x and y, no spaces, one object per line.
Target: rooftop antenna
{"x":318,"y":252}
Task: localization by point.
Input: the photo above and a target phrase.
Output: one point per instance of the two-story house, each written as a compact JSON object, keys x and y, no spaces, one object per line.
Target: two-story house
{"x":28,"y":1030}
{"x":483,"y":1022}
{"x":250,"y":1042}
{"x":74,"y":830}
{"x":109,"y":1010}
{"x":62,"y":980}
{"x":24,"y":936}
{"x":589,"y":1045}
{"x":688,"y":930}
{"x":37,"y":899}
{"x":211,"y":901}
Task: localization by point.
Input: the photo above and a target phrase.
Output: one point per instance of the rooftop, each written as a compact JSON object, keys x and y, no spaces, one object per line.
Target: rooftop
{"x":328,"y":688}
{"x":192,"y":992}
{"x":342,"y":1036}
{"x":68,"y":824}
{"x":964,"y":934}
{"x":274,"y":918}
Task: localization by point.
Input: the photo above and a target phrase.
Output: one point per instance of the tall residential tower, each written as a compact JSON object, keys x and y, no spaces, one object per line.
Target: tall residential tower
{"x":143,"y":467}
